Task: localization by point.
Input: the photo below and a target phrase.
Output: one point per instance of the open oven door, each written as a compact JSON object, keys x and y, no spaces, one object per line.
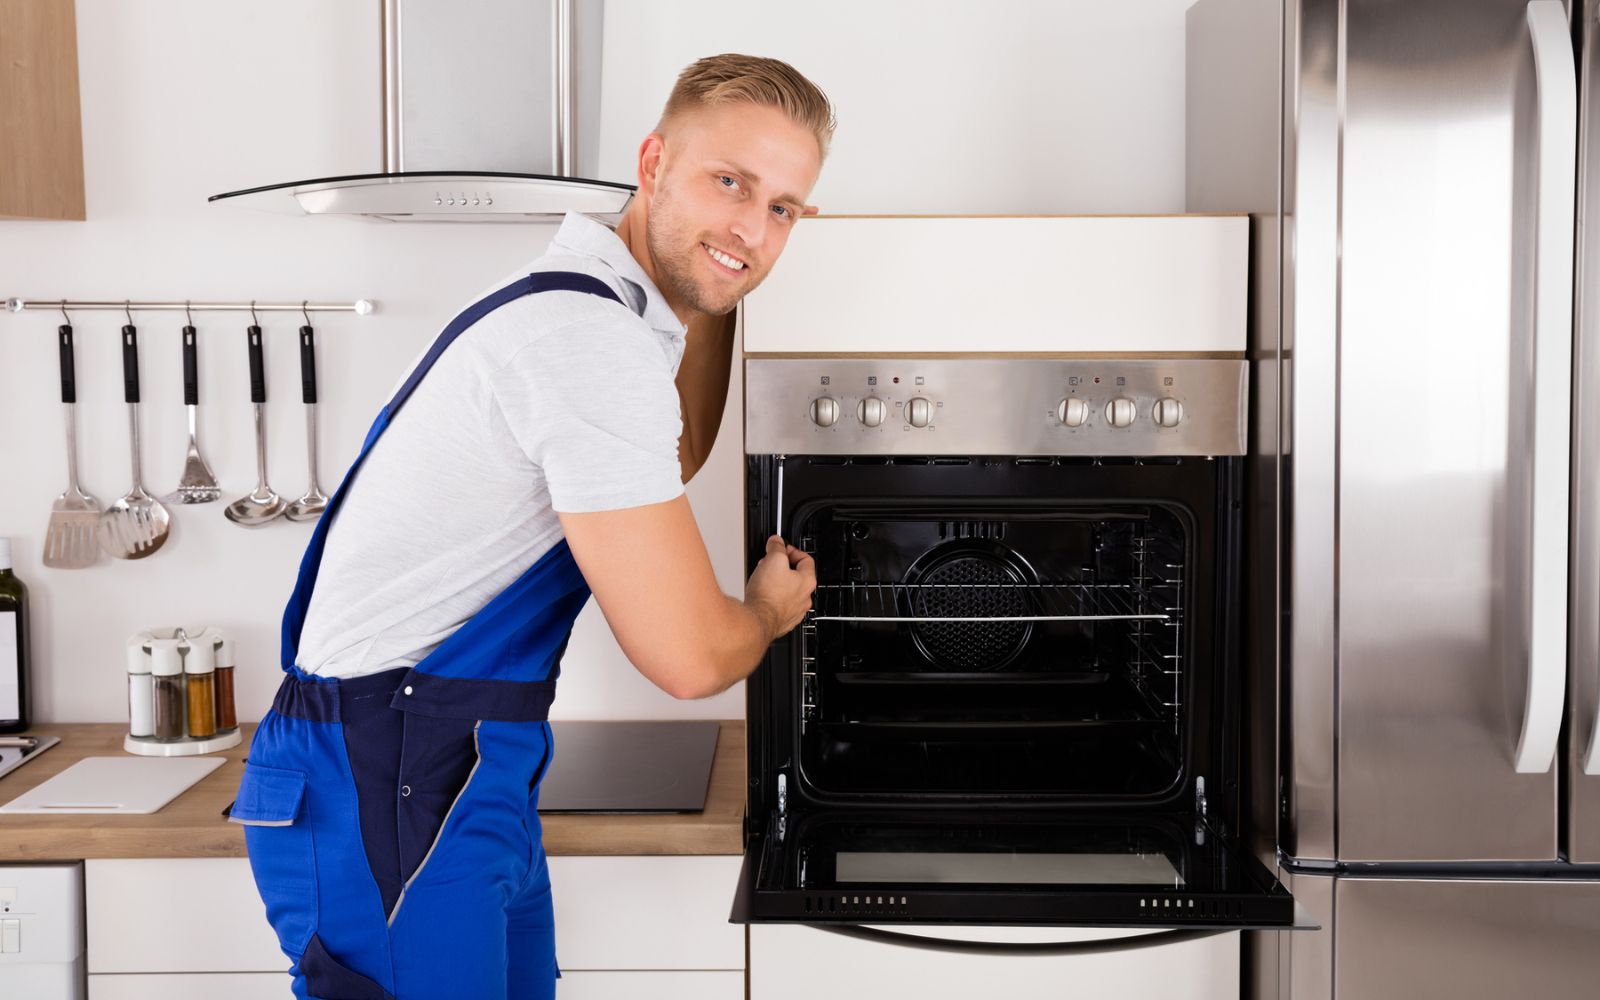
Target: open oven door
{"x":864,"y":866}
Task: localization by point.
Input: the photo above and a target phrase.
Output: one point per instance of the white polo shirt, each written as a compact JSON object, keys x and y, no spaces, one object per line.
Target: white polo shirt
{"x":559,"y":401}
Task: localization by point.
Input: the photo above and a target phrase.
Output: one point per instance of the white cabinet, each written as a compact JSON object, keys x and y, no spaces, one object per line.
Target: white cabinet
{"x":790,"y":962}
{"x":649,"y":986}
{"x":625,"y":926}
{"x":646,"y":913}
{"x":192,"y":986}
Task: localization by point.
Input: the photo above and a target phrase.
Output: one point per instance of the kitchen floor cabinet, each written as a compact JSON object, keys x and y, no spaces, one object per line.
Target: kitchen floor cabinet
{"x":789,"y":962}
{"x":653,"y":927}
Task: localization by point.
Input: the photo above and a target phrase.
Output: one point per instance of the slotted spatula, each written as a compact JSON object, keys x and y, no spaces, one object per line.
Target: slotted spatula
{"x":69,"y":541}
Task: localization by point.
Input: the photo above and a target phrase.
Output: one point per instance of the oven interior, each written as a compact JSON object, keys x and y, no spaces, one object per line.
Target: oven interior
{"x":974,"y":648}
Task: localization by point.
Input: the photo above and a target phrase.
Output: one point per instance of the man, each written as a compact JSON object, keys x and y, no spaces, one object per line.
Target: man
{"x":531,"y":457}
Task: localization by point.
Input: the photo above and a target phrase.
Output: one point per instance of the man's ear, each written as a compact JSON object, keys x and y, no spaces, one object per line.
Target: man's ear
{"x":652,"y":152}
{"x":809,"y":210}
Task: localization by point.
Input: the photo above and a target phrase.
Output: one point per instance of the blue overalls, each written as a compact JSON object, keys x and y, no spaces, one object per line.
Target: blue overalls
{"x":390,"y":819}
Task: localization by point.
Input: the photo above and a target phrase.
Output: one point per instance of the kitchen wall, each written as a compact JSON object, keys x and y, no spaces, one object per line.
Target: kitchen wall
{"x":945,"y":106}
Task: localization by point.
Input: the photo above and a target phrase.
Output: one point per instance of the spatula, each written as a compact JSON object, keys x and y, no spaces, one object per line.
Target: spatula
{"x":198,"y":484}
{"x":69,"y":540}
{"x":136,"y":525}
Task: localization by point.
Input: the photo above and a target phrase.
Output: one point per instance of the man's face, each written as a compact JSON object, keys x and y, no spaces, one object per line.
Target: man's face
{"x":730,"y":185}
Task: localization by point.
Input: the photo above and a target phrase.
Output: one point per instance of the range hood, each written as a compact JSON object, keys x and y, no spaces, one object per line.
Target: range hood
{"x":477,"y":127}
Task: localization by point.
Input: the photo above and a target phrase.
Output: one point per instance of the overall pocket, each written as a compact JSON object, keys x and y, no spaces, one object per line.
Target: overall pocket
{"x":272,"y":808}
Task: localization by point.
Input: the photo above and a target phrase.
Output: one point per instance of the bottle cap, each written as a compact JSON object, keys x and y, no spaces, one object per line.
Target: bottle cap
{"x":199,"y":656}
{"x":164,"y":660}
{"x":139,"y":653}
{"x":5,"y":553}
{"x":224,"y":651}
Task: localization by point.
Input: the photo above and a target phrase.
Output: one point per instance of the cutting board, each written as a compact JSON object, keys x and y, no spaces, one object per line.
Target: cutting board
{"x":114,"y":785}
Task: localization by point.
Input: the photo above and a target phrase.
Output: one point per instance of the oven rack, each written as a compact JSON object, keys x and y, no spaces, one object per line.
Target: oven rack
{"x":1036,"y":602}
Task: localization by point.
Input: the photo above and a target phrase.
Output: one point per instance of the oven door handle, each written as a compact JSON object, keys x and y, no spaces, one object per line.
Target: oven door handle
{"x":1104,"y":946}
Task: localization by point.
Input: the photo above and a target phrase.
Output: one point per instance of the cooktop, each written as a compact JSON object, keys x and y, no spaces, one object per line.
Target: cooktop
{"x":623,"y":767}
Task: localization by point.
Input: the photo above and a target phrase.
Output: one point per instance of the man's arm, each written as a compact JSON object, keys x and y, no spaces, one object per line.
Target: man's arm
{"x":703,"y":387}
{"x":650,"y":573}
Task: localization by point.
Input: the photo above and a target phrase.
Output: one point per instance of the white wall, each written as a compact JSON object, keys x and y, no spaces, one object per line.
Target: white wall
{"x":946,"y":106}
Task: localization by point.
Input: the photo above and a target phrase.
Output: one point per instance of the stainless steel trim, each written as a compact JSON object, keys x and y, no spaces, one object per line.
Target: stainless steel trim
{"x":1583,"y":754}
{"x":393,"y":150}
{"x":564,"y":114}
{"x":1310,"y":435}
{"x":994,"y":406}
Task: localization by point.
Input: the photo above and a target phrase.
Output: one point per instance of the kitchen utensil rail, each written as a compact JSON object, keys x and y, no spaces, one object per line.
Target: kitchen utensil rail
{"x":361,"y":307}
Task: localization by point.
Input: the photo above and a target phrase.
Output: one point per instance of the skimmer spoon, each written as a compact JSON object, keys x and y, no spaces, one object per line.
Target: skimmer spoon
{"x":135,"y":525}
{"x":261,"y":505}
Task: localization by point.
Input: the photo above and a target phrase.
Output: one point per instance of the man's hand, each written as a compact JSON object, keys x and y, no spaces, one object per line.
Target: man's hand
{"x":780,"y":588}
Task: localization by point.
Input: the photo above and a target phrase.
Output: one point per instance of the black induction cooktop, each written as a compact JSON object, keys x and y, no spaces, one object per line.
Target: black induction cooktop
{"x":626,"y":767}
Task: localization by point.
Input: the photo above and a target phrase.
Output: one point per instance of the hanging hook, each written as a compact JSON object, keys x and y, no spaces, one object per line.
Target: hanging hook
{"x":304,"y":313}
{"x":64,"y":316}
{"x":253,"y":320}
{"x":187,"y":315}
{"x":127,"y":310}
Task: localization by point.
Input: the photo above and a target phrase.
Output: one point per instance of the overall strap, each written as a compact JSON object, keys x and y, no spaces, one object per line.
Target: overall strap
{"x":539,"y":281}
{"x":294,"y":614}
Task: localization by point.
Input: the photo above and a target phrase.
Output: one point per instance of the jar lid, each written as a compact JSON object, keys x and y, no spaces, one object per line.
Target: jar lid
{"x":138,"y":653}
{"x":224,"y":651}
{"x":164,"y":659}
{"x":199,"y":656}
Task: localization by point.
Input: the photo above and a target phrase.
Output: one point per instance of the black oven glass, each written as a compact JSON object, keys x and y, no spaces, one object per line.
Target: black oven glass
{"x":996,"y":649}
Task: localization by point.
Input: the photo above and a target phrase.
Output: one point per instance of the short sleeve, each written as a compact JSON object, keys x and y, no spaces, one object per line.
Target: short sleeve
{"x":594,"y":405}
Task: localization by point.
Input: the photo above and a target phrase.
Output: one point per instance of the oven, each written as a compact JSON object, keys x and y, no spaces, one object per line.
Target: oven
{"x":1016,"y":699}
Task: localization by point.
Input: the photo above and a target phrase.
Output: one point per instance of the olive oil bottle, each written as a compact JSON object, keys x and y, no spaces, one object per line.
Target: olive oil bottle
{"x":13,"y":646}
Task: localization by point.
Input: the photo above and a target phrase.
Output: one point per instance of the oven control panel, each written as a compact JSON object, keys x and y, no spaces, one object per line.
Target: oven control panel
{"x":995,"y":406}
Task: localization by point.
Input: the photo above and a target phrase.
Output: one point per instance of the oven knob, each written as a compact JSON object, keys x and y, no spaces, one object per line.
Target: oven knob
{"x":1073,"y":411}
{"x":824,"y":411}
{"x":1121,"y":412}
{"x":919,"y":412}
{"x":1168,"y":412}
{"x":871,"y":411}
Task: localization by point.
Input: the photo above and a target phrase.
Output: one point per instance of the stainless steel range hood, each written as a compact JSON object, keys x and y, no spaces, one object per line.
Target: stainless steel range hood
{"x":491,"y":112}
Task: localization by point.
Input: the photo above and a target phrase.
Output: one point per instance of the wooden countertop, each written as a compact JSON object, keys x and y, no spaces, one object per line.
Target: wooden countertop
{"x":191,"y":826}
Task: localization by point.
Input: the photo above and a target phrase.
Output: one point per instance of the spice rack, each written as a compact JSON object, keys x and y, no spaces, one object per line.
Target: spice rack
{"x":180,"y":693}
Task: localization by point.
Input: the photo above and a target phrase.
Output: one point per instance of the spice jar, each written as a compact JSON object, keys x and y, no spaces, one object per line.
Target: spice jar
{"x":167,"y":667}
{"x":199,"y":668}
{"x":141,"y":687}
{"x":227,"y":712}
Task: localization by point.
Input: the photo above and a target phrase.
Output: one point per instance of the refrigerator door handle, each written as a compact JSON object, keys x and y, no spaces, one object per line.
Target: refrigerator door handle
{"x":1556,"y":79}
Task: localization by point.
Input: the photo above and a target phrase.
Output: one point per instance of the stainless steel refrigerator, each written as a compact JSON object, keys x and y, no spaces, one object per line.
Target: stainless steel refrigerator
{"x":1425,"y":569}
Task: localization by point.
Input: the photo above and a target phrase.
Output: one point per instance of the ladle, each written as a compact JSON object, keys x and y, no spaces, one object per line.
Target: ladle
{"x":261,"y":505}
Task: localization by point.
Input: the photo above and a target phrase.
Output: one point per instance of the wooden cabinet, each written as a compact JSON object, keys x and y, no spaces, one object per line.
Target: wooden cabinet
{"x":41,"y":158}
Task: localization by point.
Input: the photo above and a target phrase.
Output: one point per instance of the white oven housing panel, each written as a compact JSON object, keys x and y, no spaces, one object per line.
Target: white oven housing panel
{"x":791,"y":962}
{"x":1064,"y":284}
{"x":995,"y":406}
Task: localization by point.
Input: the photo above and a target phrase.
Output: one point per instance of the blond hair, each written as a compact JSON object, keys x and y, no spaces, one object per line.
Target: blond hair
{"x":731,"y":78}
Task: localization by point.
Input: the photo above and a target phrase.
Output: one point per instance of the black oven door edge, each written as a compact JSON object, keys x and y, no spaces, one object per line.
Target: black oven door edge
{"x":845,"y":867}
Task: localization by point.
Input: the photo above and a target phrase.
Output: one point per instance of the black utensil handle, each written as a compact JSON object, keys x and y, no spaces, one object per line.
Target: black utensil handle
{"x":130,"y":364}
{"x":191,"y":368}
{"x":308,"y":365}
{"x":258,"y":374}
{"x":69,"y":367}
